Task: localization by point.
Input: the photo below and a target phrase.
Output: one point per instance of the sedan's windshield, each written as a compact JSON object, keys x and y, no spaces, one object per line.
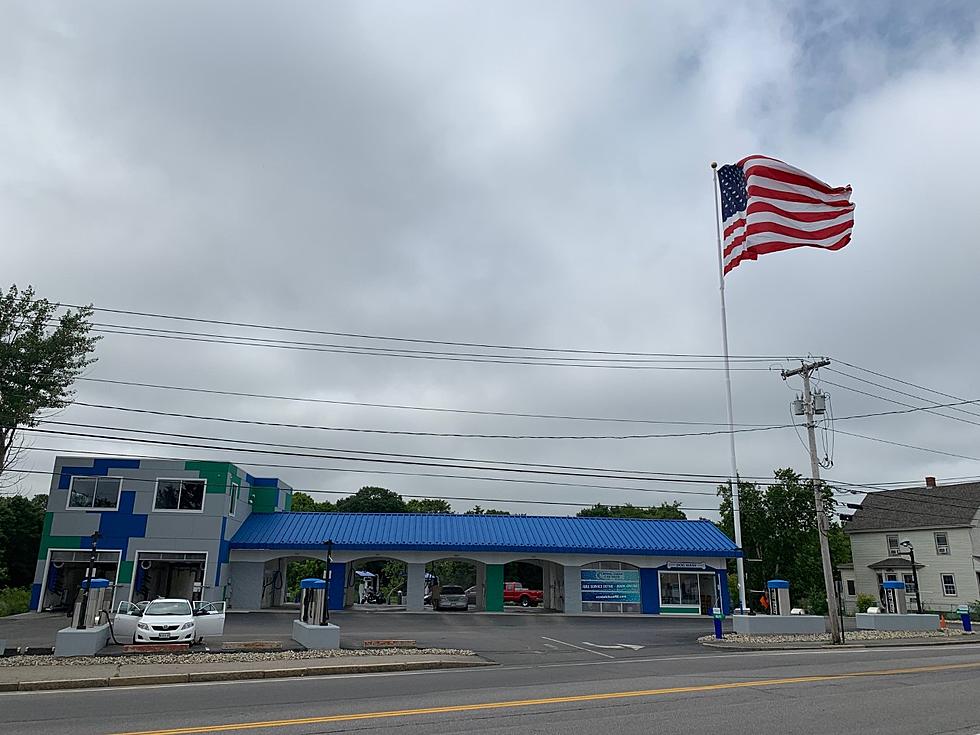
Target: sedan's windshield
{"x":164,"y":607}
{"x":452,"y":591}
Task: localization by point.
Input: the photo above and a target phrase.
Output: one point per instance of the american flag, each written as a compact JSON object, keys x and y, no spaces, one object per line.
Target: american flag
{"x":768,"y":205}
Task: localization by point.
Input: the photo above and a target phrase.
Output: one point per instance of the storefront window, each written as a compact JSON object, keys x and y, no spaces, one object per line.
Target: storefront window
{"x":690,"y":590}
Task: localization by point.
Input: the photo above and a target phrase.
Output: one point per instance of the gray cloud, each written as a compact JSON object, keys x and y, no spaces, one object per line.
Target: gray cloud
{"x":504,"y":175}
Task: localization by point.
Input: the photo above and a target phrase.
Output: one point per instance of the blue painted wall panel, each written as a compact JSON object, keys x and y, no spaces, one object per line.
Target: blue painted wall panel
{"x":649,"y":591}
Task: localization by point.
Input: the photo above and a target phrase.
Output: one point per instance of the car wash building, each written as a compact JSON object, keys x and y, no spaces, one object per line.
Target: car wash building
{"x":211,"y":531}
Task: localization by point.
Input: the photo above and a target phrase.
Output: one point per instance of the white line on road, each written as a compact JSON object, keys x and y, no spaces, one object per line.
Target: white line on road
{"x":479,"y":669}
{"x":572,"y":645}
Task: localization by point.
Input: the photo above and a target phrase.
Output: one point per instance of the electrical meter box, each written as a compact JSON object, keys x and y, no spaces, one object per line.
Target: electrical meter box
{"x":778,"y":597}
{"x":99,"y":598}
{"x":313,"y":601}
{"x":894,"y":597}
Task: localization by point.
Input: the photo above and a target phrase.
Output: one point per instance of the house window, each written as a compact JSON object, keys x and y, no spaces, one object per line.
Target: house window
{"x":892,"y":544}
{"x":234,"y":499}
{"x":909,"y":580}
{"x":94,"y":492}
{"x":186,"y":495}
{"x":942,"y":544}
{"x":851,"y":592}
{"x":949,"y":585}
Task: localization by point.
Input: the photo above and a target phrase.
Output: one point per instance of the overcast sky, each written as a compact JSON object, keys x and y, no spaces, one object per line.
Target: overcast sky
{"x":531,"y":174}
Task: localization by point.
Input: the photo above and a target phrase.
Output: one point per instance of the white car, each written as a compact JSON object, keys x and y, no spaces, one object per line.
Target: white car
{"x":168,"y":621}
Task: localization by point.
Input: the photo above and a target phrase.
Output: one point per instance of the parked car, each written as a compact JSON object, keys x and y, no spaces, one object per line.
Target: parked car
{"x":449,"y":597}
{"x":518,"y":594}
{"x":168,"y":620}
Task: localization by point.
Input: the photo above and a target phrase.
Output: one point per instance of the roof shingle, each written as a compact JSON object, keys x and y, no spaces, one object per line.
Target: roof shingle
{"x":944,"y":506}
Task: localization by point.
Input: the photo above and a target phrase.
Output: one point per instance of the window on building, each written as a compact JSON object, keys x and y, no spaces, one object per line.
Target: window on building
{"x":949,"y":585}
{"x":909,"y":580}
{"x":893,"y":548}
{"x":179,"y":495}
{"x":94,"y":492}
{"x":942,"y":544}
{"x":234,"y":498}
{"x":851,"y":592}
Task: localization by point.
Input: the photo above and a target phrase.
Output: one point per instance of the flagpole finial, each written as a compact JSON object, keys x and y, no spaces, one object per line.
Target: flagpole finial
{"x":714,"y":164}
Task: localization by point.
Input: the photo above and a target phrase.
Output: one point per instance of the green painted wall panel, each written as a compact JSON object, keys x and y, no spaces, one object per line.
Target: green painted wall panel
{"x":216,"y":473}
{"x":59,"y":542}
{"x":265,"y":499}
{"x":495,"y":587}
{"x":125,"y":572}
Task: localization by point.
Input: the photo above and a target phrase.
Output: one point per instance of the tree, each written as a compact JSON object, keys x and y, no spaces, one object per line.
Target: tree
{"x":428,"y":505}
{"x":780,"y":537}
{"x":478,"y":511}
{"x":21,"y":523}
{"x":304,"y":503}
{"x":372,"y":500}
{"x":41,"y":355}
{"x":664,"y":511}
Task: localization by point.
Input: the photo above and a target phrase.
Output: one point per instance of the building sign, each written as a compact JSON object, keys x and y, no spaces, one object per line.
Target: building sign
{"x":686,"y":565}
{"x":610,"y":585}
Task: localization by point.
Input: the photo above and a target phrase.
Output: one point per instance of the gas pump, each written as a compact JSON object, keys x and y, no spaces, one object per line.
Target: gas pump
{"x":778,"y":597}
{"x":894,"y":597}
{"x":97,"y":592}
{"x":313,"y":601}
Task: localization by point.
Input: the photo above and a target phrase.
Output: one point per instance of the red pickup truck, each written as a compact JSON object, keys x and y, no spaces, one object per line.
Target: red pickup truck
{"x":518,"y":594}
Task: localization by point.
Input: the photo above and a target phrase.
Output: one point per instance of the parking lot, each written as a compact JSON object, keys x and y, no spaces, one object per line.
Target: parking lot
{"x":528,"y":636}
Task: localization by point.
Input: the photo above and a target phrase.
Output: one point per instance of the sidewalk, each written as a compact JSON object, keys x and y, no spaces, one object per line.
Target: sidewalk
{"x":734,"y":645}
{"x":80,"y":675}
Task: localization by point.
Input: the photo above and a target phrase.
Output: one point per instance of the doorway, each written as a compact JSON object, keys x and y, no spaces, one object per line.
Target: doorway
{"x":169,"y":574}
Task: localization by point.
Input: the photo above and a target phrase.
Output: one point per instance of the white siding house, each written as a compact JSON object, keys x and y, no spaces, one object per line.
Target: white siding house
{"x":942,"y":525}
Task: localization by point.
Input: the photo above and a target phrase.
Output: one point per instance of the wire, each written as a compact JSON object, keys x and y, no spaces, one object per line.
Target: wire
{"x":252,"y":422}
{"x":909,"y":446}
{"x":899,"y":392}
{"x":357,"y":335}
{"x":474,"y":412}
{"x":927,"y":409}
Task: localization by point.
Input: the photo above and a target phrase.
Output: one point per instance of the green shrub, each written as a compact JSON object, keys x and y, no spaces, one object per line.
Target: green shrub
{"x":14,"y":600}
{"x":864,"y":602}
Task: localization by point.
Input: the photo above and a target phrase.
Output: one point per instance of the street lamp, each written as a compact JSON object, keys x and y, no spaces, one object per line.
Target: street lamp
{"x":915,"y":575}
{"x":326,"y":575}
{"x":89,"y":574}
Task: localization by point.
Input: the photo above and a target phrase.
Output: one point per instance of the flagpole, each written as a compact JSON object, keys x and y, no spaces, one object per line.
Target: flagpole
{"x":733,"y":482}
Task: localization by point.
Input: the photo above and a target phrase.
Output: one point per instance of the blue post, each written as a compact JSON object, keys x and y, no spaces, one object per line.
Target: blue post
{"x":967,"y":624}
{"x":718,"y":627}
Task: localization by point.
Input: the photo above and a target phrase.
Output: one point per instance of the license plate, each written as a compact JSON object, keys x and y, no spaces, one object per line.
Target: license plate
{"x":164,"y":635}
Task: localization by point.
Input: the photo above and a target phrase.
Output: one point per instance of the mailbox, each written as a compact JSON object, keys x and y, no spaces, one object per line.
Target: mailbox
{"x":778,"y":597}
{"x":894,"y":597}
{"x":313,"y":601}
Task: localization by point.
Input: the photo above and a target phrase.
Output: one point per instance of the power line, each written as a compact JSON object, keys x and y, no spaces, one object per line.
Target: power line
{"x":454,"y":435}
{"x":361,"y":471}
{"x":909,"y":446}
{"x":356,"y":335}
{"x":492,"y":361}
{"x":474,"y":412}
{"x":904,"y":393}
{"x":927,"y":409}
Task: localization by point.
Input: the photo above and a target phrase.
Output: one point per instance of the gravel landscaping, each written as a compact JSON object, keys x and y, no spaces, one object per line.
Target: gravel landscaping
{"x":211,"y":658}
{"x":851,"y":635}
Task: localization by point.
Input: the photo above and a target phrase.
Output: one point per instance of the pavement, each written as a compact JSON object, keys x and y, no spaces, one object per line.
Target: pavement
{"x":119,"y":672}
{"x":898,"y":691}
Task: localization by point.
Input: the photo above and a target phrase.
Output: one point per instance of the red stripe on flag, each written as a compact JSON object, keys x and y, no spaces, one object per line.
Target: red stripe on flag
{"x":753,"y":252}
{"x":792,"y":178}
{"x":808,"y":216}
{"x":789,"y":196}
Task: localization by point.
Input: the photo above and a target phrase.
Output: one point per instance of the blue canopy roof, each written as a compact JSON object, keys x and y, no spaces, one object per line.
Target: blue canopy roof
{"x":446,"y":532}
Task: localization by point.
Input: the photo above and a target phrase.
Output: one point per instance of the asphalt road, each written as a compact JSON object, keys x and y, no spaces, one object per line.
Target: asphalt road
{"x":524,"y":636}
{"x":898,"y":691}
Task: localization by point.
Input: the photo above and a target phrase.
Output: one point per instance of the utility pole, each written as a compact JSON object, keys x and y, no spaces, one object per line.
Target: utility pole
{"x":823,"y":526}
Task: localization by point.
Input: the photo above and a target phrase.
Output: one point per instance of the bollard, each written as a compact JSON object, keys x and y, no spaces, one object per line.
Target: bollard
{"x":718,"y":616}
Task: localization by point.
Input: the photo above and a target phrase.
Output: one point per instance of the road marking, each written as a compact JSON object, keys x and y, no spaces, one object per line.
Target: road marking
{"x":515,"y":703}
{"x":572,"y":645}
{"x":552,"y":646}
{"x":616,"y":646}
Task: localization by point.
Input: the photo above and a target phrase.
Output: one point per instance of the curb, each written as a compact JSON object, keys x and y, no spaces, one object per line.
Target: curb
{"x":895,"y":643}
{"x":199,"y":676}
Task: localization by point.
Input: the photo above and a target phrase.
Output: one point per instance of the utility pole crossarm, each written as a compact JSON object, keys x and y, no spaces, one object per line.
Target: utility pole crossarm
{"x":805,"y":368}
